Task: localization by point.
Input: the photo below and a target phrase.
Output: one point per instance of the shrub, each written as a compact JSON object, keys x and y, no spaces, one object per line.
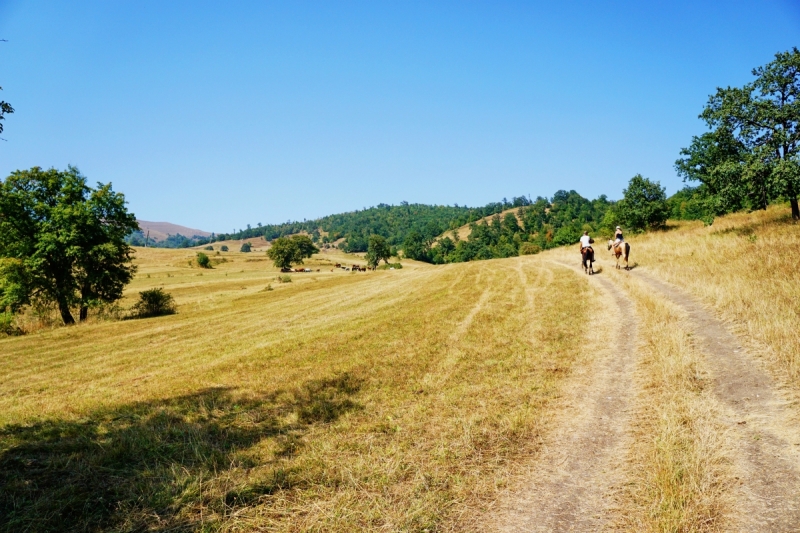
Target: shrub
{"x":224,"y":248}
{"x":245,"y":247}
{"x":209,"y":247}
{"x":528,"y":248}
{"x":203,"y":260}
{"x":7,"y":326}
{"x":285,"y":279}
{"x":387,"y":266}
{"x":153,"y":302}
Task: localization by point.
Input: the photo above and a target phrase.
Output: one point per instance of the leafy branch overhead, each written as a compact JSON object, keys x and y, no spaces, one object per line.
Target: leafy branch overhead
{"x":5,"y":107}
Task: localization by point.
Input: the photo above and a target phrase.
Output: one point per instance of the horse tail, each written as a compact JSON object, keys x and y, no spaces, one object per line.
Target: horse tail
{"x":627,"y":250}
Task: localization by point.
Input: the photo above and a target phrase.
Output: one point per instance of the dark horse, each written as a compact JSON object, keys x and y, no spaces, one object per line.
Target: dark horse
{"x":587,"y":255}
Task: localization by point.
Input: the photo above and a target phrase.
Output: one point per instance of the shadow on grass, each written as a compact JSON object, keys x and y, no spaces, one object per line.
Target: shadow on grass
{"x":141,"y":467}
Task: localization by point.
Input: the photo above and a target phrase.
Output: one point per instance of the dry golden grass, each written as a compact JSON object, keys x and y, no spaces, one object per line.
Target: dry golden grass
{"x":747,"y":268}
{"x":341,"y":401}
{"x":678,"y":468}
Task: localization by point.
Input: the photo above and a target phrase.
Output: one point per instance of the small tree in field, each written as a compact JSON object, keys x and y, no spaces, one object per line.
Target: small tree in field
{"x":223,"y":248}
{"x":245,"y":247}
{"x":643,"y":206}
{"x":377,"y":250}
{"x":286,"y":251}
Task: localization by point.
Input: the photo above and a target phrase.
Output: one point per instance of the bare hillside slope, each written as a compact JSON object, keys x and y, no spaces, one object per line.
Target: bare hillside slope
{"x":161,"y":230}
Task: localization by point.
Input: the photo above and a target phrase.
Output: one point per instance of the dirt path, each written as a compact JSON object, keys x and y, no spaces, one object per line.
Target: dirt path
{"x":767,"y":438}
{"x":572,"y":482}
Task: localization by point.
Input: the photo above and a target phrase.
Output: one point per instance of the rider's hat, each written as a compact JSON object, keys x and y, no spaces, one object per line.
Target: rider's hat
{"x":618,"y":227}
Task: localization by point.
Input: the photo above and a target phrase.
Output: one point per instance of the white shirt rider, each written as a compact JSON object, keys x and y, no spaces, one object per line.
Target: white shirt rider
{"x":586,"y":241}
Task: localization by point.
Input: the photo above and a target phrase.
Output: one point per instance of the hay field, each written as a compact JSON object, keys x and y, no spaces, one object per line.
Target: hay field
{"x":390,"y":400}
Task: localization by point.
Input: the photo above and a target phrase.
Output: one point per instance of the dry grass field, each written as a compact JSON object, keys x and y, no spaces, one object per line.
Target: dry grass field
{"x":746,"y":267}
{"x":389,"y":400}
{"x":405,"y":400}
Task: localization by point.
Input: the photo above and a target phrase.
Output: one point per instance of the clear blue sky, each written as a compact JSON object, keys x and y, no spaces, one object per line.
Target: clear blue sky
{"x":216,"y":115}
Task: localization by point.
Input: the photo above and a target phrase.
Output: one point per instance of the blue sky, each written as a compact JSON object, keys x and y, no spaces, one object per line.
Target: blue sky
{"x":216,"y":115}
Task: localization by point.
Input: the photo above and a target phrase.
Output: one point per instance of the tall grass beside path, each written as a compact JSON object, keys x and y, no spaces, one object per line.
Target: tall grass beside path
{"x":746,"y":266}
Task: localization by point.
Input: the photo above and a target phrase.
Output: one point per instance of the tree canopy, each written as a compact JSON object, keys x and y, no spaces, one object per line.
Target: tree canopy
{"x":62,"y":241}
{"x":643,"y":205}
{"x":542,"y":224}
{"x":378,"y":250}
{"x":751,"y":156}
{"x":286,"y":251}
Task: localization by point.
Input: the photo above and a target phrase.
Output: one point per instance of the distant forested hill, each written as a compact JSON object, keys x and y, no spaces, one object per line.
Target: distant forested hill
{"x":545,"y":223}
{"x":417,"y":228}
{"x":426,"y":232}
{"x":394,"y":222}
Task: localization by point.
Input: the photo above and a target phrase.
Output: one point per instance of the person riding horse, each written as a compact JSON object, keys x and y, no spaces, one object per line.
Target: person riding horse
{"x":621,"y":248}
{"x":587,"y":252}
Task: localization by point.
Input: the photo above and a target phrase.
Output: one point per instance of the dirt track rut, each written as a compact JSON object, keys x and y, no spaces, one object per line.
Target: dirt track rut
{"x":768,"y":442}
{"x":571,"y":486}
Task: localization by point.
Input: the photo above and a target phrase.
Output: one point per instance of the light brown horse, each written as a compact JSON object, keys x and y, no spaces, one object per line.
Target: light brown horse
{"x":623,"y":250}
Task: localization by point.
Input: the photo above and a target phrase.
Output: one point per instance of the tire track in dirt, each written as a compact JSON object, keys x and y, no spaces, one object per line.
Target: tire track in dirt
{"x":571,"y":486}
{"x":768,"y":442}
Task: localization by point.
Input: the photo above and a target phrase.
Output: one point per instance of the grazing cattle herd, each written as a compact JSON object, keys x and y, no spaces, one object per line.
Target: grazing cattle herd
{"x":351,"y":268}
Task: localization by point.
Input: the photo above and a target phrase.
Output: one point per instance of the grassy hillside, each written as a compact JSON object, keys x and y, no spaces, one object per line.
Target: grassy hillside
{"x":389,"y":400}
{"x":340,"y":401}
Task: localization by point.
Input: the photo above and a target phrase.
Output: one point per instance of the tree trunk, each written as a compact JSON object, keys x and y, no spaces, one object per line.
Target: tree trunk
{"x":66,"y":316}
{"x":84,"y":313}
{"x":795,"y":208}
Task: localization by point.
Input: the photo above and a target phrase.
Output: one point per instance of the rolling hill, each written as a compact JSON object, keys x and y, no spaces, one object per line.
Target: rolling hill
{"x":159,"y":231}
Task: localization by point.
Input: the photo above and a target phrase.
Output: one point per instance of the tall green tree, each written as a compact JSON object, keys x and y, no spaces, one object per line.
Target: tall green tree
{"x":643,"y":205}
{"x":286,"y":251}
{"x":717,"y":159}
{"x":68,"y":238}
{"x":377,"y":250}
{"x":764,"y":118}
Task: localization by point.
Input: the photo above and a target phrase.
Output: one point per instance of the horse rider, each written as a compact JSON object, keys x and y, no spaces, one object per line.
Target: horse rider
{"x":586,"y":241}
{"x":618,"y":239}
